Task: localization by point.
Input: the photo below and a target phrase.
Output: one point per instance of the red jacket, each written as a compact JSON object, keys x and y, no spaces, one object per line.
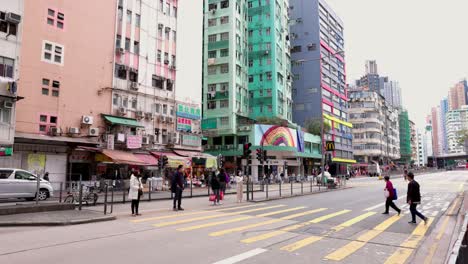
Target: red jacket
{"x":389,"y":187}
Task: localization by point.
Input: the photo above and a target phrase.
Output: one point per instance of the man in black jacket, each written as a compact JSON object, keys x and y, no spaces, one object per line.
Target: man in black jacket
{"x":177,"y":187}
{"x":413,"y":198}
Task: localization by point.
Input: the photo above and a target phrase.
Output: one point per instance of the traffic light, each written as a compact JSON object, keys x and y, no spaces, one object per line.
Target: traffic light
{"x":220,"y":161}
{"x":265,"y":158}
{"x":247,"y":151}
{"x":165,"y":161}
{"x":160,"y":162}
{"x":259,"y":155}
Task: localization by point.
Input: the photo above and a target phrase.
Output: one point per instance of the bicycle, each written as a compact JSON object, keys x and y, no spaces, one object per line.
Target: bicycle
{"x":88,"y":196}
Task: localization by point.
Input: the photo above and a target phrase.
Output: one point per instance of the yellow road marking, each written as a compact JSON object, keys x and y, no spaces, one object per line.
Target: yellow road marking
{"x":303,"y":214}
{"x":302,"y":243}
{"x":291,"y":228}
{"x":353,"y":246}
{"x":282,"y":211}
{"x":236,"y":219}
{"x":431,"y":254}
{"x":401,"y":255}
{"x":189,"y":214}
{"x":213,"y":216}
{"x":312,"y":239}
{"x":242,"y":228}
{"x":215,"y":223}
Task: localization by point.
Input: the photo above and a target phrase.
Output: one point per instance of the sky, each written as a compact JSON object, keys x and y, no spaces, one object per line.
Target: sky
{"x":423,"y":44}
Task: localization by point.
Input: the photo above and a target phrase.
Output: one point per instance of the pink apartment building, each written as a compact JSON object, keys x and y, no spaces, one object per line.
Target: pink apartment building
{"x":66,"y":65}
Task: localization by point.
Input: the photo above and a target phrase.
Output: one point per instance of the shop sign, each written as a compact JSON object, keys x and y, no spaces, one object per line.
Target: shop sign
{"x":330,"y":146}
{"x":36,"y":163}
{"x":189,"y":140}
{"x":184,"y":124}
{"x":133,"y":142}
{"x":110,"y":141}
{"x":80,"y":156}
{"x":6,"y":151}
{"x":188,"y":111}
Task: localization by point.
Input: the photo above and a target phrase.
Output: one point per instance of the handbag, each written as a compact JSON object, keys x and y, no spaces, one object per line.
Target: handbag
{"x":386,"y":193}
{"x":221,"y":195}
{"x":395,"y":195}
{"x":212,"y":198}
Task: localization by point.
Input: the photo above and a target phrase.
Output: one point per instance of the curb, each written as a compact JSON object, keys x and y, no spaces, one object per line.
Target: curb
{"x":298,"y":195}
{"x":60,"y":223}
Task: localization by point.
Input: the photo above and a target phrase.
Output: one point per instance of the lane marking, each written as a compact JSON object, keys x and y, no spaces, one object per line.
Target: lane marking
{"x":291,"y":228}
{"x":194,"y":213}
{"x":353,"y":221}
{"x":382,"y":204}
{"x":246,"y":227}
{"x":302,"y":243}
{"x":236,"y":219}
{"x":402,"y":254}
{"x":184,"y":221}
{"x":243,"y":256}
{"x":353,"y":246}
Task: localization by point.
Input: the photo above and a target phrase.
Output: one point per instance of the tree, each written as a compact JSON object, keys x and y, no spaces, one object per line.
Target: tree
{"x":462,"y":137}
{"x":270,"y":121}
{"x":314,"y":126}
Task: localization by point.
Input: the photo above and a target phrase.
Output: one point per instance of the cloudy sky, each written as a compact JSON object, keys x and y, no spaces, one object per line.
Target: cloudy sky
{"x":421,"y":43}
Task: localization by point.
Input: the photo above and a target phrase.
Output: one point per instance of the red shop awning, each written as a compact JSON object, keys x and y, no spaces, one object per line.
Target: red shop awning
{"x":147,"y":158}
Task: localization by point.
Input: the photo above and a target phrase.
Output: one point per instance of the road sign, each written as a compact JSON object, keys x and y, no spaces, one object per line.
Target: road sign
{"x":330,"y":146}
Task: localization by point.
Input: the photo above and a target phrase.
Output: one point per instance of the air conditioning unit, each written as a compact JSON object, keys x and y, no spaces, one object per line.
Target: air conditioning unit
{"x":13,"y":18}
{"x":213,"y":11}
{"x":145,"y":140}
{"x":122,"y":111}
{"x":169,"y":120}
{"x":164,"y":133}
{"x":54,"y":131}
{"x":134,"y":86}
{"x":93,"y":132}
{"x":162,"y":119}
{"x":160,"y":25}
{"x":87,"y":120}
{"x":149,"y":115}
{"x":73,"y":130}
{"x":119,"y":50}
{"x":8,"y":104}
{"x":266,"y":52}
{"x":211,"y":61}
{"x":166,"y":61}
{"x":139,"y":114}
{"x":175,"y":138}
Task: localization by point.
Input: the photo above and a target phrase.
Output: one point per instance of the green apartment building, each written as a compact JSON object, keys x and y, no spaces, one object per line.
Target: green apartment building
{"x":269,"y":59}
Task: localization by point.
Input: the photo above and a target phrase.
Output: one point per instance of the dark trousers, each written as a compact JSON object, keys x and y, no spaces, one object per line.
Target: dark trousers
{"x":135,"y":205}
{"x":223,"y":187}
{"x":216,"y":192}
{"x":389,"y":203}
{"x":178,"y":197}
{"x":415,"y":212}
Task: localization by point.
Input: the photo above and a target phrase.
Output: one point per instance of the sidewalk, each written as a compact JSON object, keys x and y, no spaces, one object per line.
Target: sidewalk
{"x":55,"y":218}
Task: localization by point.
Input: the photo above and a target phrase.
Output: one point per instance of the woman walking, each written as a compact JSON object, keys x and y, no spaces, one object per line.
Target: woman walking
{"x":215,"y":186}
{"x":135,"y":191}
{"x":389,"y":194}
{"x":240,"y":182}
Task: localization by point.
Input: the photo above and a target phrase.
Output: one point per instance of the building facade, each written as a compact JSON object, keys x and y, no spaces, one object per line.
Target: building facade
{"x":421,"y":152}
{"x":455,"y":123}
{"x":375,"y":128}
{"x":414,"y":142}
{"x":444,"y":108}
{"x":11,"y":26}
{"x":435,"y":121}
{"x":427,"y":143}
{"x":406,"y":151}
{"x":457,"y":96}
{"x":392,"y":92}
{"x":269,"y":60}
{"x":318,"y":66}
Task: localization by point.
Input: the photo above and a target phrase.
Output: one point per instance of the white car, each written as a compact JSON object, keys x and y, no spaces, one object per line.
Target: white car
{"x":17,"y":183}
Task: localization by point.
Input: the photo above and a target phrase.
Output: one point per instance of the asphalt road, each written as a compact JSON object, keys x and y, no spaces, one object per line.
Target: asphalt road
{"x":336,"y":227}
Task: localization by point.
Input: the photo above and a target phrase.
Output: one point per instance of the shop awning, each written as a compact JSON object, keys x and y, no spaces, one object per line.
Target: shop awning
{"x":147,"y":158}
{"x":123,"y":121}
{"x":173,"y":160}
{"x":122,"y":157}
{"x":35,"y":137}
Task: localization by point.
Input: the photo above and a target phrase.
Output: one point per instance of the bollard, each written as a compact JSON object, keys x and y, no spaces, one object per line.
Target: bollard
{"x":280,"y":189}
{"x":302,"y":187}
{"x":252,"y":198}
{"x":311,"y":183}
{"x":150,"y":186}
{"x":267,"y":191}
{"x":106,"y":187}
{"x":247,"y":189}
{"x":291,"y":188}
{"x":61,"y":190}
{"x":112,"y":200}
{"x":191,"y":187}
{"x":123,"y":193}
{"x":80,"y":197}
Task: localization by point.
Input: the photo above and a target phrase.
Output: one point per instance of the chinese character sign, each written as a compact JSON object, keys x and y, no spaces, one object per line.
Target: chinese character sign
{"x":184,"y":124}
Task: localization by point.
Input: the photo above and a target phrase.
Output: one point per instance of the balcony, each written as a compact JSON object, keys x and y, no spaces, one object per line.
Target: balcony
{"x":218,"y":45}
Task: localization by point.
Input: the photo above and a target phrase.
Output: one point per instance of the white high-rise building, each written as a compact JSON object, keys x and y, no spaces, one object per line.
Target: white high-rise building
{"x":392,"y":93}
{"x":420,"y":161}
{"x":427,"y":144}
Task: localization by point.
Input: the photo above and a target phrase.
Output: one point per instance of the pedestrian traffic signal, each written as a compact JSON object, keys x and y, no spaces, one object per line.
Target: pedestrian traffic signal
{"x":260,"y":155}
{"x":220,"y":161}
{"x":265,"y":158}
{"x":247,"y":151}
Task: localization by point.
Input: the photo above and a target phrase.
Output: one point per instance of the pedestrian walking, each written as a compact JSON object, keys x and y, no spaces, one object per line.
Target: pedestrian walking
{"x":135,"y":192}
{"x":390,"y":195}
{"x":215,"y":186}
{"x":222,"y":181}
{"x":240,"y":188}
{"x":177,"y":187}
{"x":413,"y":198}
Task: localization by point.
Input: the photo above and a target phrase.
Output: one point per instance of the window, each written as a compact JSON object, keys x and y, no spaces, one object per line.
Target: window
{"x":167,"y":32}
{"x":6,"y":67}
{"x":326,"y":108}
{"x":134,"y":103}
{"x":137,"y":20}
{"x":212,"y":22}
{"x":136,"y":47}
{"x":251,"y":79}
{"x":224,"y":52}
{"x":225,"y":36}
{"x":238,"y":70}
{"x":5,"y":113}
{"x":116,"y":100}
{"x":129,"y":16}
{"x":169,"y":84}
{"x":174,"y":35}
{"x":269,"y":76}
{"x":52,"y":52}
{"x":127,"y":44}
{"x":224,"y":87}
{"x":166,"y":58}
{"x":268,"y":31}
{"x":164,"y":109}
{"x":120,"y":13}
{"x":211,"y":87}
{"x":120,"y":72}
{"x":296,"y":49}
{"x":224,"y":68}
{"x":212,"y":54}
{"x":158,"y":56}
{"x":224,"y":104}
{"x":53,"y":18}
{"x":212,"y":38}
{"x":224,"y":20}
{"x":174,"y":11}
{"x":211,"y":105}
{"x":224,"y":121}
{"x":225,"y":4}
{"x":250,"y":19}
{"x":212,"y":6}
{"x":118,"y":41}
{"x":312,"y":47}
{"x":250,"y":63}
{"x":161,"y":5}
{"x":250,"y":4}
{"x":211,"y":70}
{"x":168,"y":9}
{"x":160,"y":27}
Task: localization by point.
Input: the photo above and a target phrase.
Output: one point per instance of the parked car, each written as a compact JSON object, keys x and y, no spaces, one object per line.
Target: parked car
{"x":17,"y":183}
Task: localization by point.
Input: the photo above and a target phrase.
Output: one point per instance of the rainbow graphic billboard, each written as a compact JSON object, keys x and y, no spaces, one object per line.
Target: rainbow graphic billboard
{"x":267,"y":135}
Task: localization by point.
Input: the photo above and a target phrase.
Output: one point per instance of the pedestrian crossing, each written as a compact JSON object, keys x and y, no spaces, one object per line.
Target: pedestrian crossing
{"x":296,"y":228}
